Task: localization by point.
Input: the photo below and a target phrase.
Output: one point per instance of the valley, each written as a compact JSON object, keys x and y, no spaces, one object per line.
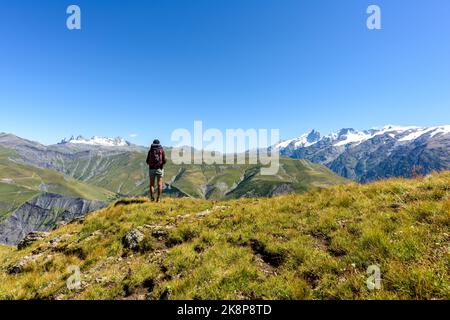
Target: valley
{"x":106,"y":173}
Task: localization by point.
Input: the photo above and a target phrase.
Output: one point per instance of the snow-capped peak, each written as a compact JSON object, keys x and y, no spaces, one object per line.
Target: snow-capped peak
{"x":97,"y":141}
{"x":351,"y":137}
{"x":401,"y":133}
{"x":305,"y":140}
{"x":347,"y":136}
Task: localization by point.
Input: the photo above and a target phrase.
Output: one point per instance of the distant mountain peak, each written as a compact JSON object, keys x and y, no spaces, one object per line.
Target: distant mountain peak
{"x":97,"y":141}
{"x":305,"y":140}
{"x":313,"y":136}
{"x":346,"y":131}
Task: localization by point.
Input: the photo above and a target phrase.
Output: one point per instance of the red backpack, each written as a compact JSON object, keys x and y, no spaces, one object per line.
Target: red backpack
{"x":155,"y":158}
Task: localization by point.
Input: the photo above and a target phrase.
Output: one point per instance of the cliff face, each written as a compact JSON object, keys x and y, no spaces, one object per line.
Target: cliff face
{"x":43,"y":213}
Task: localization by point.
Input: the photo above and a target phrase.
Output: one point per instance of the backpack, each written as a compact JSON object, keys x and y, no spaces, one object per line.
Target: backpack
{"x":156,"y":158}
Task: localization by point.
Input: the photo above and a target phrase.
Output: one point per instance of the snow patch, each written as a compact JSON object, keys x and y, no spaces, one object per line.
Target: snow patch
{"x":441,"y":130}
{"x":355,"y":137}
{"x":421,"y":131}
{"x":305,"y":140}
{"x":283,"y":144}
{"x":302,"y":141}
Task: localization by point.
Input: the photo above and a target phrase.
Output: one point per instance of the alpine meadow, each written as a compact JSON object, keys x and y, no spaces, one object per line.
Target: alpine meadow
{"x":225,"y":159}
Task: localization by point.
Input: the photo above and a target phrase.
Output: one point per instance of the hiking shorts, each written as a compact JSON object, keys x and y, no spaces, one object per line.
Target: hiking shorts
{"x":156,"y":173}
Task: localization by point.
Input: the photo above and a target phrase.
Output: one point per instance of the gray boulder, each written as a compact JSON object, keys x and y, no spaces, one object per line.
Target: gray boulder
{"x":133,"y":239}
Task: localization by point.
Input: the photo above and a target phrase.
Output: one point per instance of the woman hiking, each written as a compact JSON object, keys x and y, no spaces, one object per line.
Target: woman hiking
{"x":156,"y":159}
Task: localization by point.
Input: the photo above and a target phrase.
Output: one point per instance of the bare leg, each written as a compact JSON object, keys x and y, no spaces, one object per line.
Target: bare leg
{"x":160,"y":187}
{"x":152,"y":188}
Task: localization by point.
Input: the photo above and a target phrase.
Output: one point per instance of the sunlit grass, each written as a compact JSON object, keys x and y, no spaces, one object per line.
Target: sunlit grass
{"x":312,"y":246}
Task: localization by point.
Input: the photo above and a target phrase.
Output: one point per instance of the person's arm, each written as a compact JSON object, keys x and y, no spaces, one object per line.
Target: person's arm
{"x":148,"y":158}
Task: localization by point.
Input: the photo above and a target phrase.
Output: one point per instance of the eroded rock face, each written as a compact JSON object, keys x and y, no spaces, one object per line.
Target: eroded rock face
{"x":43,"y":213}
{"x":282,"y":189}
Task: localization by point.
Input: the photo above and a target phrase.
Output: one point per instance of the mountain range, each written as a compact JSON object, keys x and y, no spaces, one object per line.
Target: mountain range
{"x":363,"y":156}
{"x":99,"y":170}
{"x":97,"y":141}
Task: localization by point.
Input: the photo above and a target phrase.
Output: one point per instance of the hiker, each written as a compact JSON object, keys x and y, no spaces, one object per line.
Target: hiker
{"x":156,"y":159}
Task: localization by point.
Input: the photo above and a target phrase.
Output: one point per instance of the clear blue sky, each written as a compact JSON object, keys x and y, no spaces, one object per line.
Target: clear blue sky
{"x":149,"y":67}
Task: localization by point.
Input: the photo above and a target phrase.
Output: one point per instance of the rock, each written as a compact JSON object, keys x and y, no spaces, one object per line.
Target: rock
{"x":395,"y":205}
{"x":101,"y":280}
{"x":78,"y":220}
{"x":16,"y":268}
{"x":159,"y":234}
{"x":38,"y":250}
{"x":165,"y":295}
{"x":55,"y":240}
{"x":156,"y":226}
{"x":342,"y":223}
{"x":282,"y":189}
{"x":183,"y":216}
{"x":203,"y":213}
{"x":133,"y":239}
{"x":31,"y":238}
{"x":20,"y":266}
{"x":209,"y":211}
{"x":59,"y":224}
{"x":93,"y":235}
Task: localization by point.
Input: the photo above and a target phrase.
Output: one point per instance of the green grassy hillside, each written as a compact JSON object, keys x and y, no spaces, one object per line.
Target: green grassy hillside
{"x":20,"y":182}
{"x":317,"y":245}
{"x":126,"y":174}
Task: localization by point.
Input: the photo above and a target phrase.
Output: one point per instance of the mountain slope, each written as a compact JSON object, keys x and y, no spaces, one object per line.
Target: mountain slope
{"x":123,"y":170}
{"x":295,"y":175}
{"x":20,"y":182}
{"x":312,"y":246}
